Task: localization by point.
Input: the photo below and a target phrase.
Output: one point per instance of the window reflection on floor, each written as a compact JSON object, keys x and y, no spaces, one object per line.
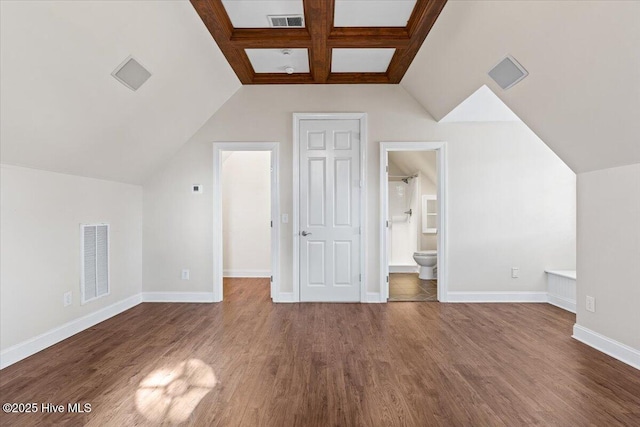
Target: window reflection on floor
{"x":408,"y":287}
{"x":170,"y":394}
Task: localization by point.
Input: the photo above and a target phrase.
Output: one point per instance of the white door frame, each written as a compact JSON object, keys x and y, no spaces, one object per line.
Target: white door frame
{"x":443,"y":268}
{"x":218,"y":148}
{"x":362,"y":117}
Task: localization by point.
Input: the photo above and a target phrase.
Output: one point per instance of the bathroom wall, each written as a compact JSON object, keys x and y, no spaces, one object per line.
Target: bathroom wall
{"x":404,"y":228}
{"x":246,"y":214}
{"x":424,"y":162}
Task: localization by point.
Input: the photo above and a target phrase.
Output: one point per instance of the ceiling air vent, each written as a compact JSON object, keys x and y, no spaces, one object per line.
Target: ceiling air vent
{"x":508,"y":72}
{"x":131,"y":74}
{"x":280,"y":21}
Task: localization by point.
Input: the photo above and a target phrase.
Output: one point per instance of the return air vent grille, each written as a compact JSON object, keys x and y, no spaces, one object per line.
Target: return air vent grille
{"x":94,"y":248}
{"x":286,"y":21}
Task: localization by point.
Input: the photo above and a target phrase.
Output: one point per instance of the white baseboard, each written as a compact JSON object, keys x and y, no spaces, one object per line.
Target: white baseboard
{"x":496,"y":297}
{"x":404,"y":269}
{"x":563,"y":303}
{"x":284,"y":297}
{"x":613,"y":348}
{"x":31,"y":346}
{"x":373,"y":297}
{"x":177,"y":297}
{"x":246,"y":273}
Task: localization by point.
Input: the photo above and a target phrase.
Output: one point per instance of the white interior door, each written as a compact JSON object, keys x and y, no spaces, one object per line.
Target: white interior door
{"x":329,"y":210}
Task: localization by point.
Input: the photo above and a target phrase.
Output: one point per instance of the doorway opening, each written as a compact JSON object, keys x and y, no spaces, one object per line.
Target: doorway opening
{"x":246,"y":238}
{"x":413,"y":222}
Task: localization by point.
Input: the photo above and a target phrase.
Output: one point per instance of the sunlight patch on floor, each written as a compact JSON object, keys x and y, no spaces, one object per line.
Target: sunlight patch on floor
{"x":171,"y":394}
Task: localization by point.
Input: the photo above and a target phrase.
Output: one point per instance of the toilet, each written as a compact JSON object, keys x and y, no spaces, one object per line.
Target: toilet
{"x":427,"y":260}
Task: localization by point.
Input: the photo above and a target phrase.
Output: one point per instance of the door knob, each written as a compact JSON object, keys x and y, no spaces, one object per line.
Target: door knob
{"x":304,"y":233}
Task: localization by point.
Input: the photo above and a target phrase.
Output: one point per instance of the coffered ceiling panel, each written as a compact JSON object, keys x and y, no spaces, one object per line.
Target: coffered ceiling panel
{"x":374,"y":41}
{"x":278,"y":60}
{"x":255,"y":13}
{"x":373,"y":13}
{"x":361,"y":60}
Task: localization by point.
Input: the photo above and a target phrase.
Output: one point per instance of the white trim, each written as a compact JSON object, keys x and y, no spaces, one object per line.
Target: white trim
{"x":564,"y":303}
{"x":218,"y":147}
{"x":195,"y":297}
{"x":33,"y":345}
{"x":285,"y":297}
{"x":569,"y":274}
{"x":295,"y":217}
{"x":374,"y":297}
{"x":443,"y":223}
{"x":608,"y":346}
{"x":246,"y":273}
{"x":489,"y":297}
{"x":404,"y":269}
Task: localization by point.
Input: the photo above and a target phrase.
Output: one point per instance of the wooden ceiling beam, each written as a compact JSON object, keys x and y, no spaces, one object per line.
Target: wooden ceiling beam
{"x":350,"y":78}
{"x":217,"y":21}
{"x":318,"y":16}
{"x":319,"y":37}
{"x":369,"y":37}
{"x":422,"y":19}
{"x":282,"y":79}
{"x":263,"y":38}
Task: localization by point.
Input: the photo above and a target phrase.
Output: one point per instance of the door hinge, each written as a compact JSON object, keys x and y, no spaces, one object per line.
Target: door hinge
{"x":386,"y":168}
{"x":387,"y":223}
{"x":387,"y":279}
{"x":360,"y":277}
{"x":271,"y":278}
{"x":271,"y":224}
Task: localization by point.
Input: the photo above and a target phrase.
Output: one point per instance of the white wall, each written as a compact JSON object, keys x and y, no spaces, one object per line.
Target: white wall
{"x":511,"y":200}
{"x":41,"y":213}
{"x":609,"y":252}
{"x":246,"y":213}
{"x":403,"y":230}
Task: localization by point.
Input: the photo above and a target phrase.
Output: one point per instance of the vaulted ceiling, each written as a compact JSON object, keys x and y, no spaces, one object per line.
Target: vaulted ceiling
{"x":60,"y":110}
{"x":336,"y":43}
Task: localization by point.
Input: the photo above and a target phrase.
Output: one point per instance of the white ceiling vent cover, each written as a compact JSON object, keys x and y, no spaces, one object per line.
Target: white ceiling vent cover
{"x":131,"y":74}
{"x":508,"y":72}
{"x":289,"y":21}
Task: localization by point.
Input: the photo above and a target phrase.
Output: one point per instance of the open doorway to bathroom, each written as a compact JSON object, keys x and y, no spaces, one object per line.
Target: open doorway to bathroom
{"x":246,"y":230}
{"x":411,"y":194}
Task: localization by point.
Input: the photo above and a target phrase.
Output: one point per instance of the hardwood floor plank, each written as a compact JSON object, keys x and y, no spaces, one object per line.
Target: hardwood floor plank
{"x":409,"y":364}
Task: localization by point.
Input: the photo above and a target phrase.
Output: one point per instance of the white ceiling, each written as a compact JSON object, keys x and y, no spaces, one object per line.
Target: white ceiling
{"x":582,"y":95}
{"x":61,"y":110}
{"x":274,"y":61}
{"x":372,"y":13}
{"x":361,"y":60}
{"x":253,"y":13}
{"x":481,"y":106}
{"x":410,"y":162}
{"x":348,"y":13}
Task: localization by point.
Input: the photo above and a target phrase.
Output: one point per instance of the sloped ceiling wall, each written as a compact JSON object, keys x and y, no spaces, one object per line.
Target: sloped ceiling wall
{"x":582,"y":96}
{"x":62,"y":111}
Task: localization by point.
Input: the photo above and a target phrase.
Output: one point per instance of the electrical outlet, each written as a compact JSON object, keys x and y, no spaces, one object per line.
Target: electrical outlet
{"x":67,"y":298}
{"x":591,"y":304}
{"x":185,"y":274}
{"x":515,"y":272}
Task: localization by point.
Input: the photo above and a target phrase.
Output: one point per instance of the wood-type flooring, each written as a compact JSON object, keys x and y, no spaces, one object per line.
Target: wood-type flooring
{"x":249,"y":362}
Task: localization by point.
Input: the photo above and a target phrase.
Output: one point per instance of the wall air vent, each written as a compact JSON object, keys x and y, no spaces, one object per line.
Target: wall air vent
{"x":286,"y":21}
{"x":508,"y":72}
{"x":131,"y":74}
